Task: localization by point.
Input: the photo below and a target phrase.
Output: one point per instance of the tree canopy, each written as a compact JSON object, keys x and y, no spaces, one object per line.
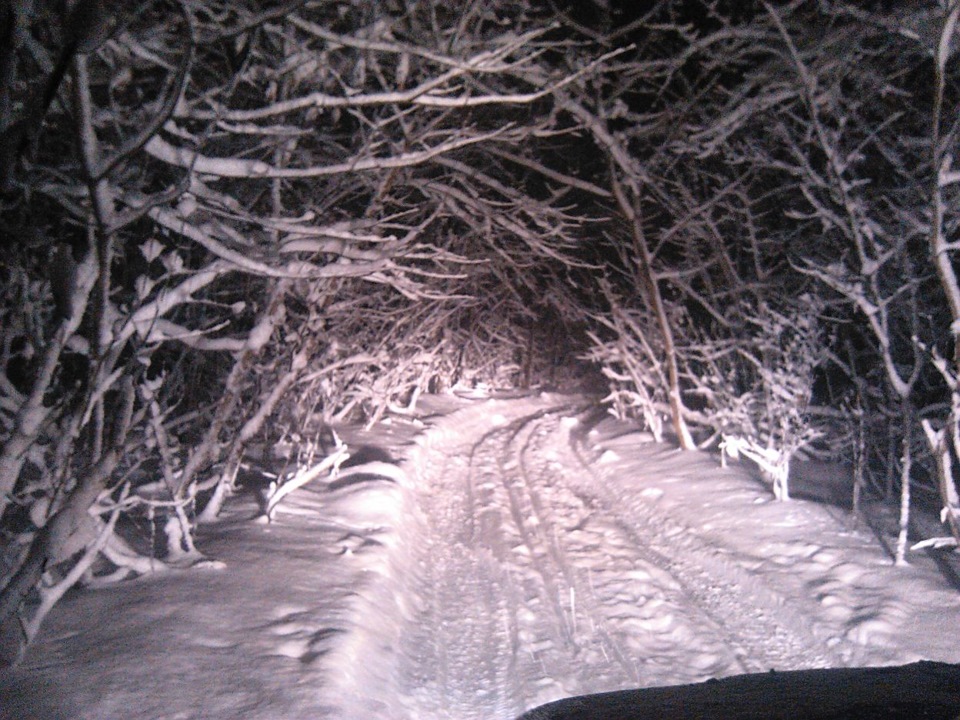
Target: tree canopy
{"x":217,"y":214}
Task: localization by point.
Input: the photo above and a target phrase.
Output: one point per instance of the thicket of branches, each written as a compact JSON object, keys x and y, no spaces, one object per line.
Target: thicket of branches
{"x":784,"y":181}
{"x":230,"y":212}
{"x":225,"y":220}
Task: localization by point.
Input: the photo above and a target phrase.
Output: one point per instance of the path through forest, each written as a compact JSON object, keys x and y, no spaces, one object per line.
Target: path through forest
{"x":532,"y":549}
{"x":533,"y":577}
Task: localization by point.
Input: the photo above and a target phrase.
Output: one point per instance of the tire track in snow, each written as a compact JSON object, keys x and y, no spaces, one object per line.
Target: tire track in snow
{"x":613,"y":636}
{"x":773,"y":631}
{"x":516,"y":457}
{"x":469,"y":653}
{"x":457,"y":655}
{"x":527,"y":582}
{"x":518,"y":613}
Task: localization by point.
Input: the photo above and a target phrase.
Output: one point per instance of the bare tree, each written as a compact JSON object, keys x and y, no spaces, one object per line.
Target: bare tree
{"x":769,"y":154}
{"x":834,"y":114}
{"x":252,"y":179}
{"x":945,"y":440}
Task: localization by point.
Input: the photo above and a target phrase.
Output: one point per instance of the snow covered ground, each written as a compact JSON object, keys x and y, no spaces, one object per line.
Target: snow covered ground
{"x":534,"y":549}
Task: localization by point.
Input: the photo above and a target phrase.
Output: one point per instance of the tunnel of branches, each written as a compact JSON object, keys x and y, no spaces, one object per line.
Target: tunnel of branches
{"x":225,"y":224}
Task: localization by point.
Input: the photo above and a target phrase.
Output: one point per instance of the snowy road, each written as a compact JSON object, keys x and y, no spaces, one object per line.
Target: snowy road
{"x":530,"y":579}
{"x":531,"y":549}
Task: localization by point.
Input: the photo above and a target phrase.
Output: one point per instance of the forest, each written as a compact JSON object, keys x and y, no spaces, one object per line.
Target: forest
{"x":227,"y":224}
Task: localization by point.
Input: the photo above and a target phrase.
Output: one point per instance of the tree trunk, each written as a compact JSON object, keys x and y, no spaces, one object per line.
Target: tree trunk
{"x":940,"y":251}
{"x":67,"y":532}
{"x":652,"y":289}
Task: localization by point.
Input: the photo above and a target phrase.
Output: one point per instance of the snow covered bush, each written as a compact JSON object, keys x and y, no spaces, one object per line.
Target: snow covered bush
{"x":763,"y":413}
{"x":632,"y":365}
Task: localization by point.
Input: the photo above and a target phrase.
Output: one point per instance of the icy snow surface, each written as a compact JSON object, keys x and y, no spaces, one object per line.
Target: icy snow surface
{"x":535,"y":550}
